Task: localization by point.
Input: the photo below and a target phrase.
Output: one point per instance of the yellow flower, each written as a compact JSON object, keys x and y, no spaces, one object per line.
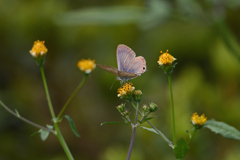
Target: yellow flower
{"x":198,"y":120}
{"x":165,"y":59}
{"x":38,"y":49}
{"x":126,"y":91}
{"x":86,"y":65}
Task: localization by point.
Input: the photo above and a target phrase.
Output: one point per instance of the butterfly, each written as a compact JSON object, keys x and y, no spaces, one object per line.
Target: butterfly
{"x":129,"y":66}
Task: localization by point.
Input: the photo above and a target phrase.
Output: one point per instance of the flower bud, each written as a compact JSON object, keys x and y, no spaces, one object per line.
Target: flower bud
{"x":153,"y":107}
{"x":121,"y":108}
{"x":125,"y":113}
{"x":145,"y":108}
{"x":137,"y":95}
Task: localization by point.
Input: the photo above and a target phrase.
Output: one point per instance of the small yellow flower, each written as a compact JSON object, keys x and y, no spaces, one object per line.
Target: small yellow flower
{"x":165,"y":59}
{"x":126,"y":90}
{"x":198,"y":120}
{"x":38,"y":49}
{"x":86,"y":65}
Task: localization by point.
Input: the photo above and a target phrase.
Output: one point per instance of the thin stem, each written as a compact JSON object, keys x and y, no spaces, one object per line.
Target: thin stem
{"x":72,"y":96}
{"x":133,"y":133}
{"x":47,"y":93}
{"x":155,"y":128}
{"x":59,"y":134}
{"x":172,"y":106}
{"x":194,"y":133}
{"x":162,"y":135}
{"x":16,"y":114}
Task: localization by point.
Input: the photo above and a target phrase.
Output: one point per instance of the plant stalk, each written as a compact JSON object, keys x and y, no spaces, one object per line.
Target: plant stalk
{"x":72,"y":96}
{"x":155,"y":128}
{"x":59,"y":135}
{"x":172,"y":107}
{"x":133,"y":133}
{"x":16,"y":114}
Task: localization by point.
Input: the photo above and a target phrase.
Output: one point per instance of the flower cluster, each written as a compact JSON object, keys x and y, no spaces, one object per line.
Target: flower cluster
{"x":151,"y":108}
{"x":123,"y":111}
{"x":166,"y":62}
{"x":198,"y":121}
{"x":86,"y":65}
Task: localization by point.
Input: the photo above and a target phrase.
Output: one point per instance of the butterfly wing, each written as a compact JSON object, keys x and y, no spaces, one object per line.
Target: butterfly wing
{"x":126,"y":75}
{"x":109,"y":69}
{"x":125,"y":57}
{"x":138,"y":66}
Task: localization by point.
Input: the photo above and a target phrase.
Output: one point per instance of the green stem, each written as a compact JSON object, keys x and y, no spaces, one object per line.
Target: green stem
{"x":172,"y":106}
{"x":59,"y":135}
{"x":72,"y":96}
{"x":16,"y":114}
{"x":47,"y":94}
{"x":162,"y":135}
{"x":155,"y":128}
{"x":194,"y":133}
{"x":133,"y":133}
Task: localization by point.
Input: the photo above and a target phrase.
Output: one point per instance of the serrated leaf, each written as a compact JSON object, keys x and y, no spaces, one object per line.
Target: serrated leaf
{"x":146,"y":119}
{"x":114,"y":123}
{"x":150,"y":129}
{"x":223,"y":129}
{"x":181,"y":149}
{"x":72,"y":125}
{"x":43,"y":134}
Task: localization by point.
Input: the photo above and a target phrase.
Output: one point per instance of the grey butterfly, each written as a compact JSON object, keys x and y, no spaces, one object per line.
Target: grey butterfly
{"x":129,"y":66}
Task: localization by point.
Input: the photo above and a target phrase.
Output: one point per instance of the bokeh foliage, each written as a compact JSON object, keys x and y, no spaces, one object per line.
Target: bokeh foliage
{"x":203,"y":35}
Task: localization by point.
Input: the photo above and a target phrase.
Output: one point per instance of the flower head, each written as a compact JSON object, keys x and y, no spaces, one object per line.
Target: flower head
{"x":38,"y":49}
{"x":86,"y":65}
{"x":198,"y":121}
{"x":126,"y":91}
{"x":166,"y":62}
{"x":165,"y":59}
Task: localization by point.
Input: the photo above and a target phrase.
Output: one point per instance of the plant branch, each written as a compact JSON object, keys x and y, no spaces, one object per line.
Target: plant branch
{"x":16,"y":114}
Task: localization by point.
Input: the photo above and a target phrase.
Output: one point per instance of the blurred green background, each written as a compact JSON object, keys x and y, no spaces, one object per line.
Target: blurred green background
{"x":203,"y":35}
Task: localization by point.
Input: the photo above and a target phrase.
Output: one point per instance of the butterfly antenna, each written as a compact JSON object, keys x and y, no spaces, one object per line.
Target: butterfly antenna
{"x":113,"y":83}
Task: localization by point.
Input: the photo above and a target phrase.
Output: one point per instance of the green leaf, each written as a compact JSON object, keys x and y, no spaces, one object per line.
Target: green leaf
{"x":181,"y":149}
{"x":114,"y":123}
{"x":149,"y":129}
{"x":223,"y":129}
{"x":146,"y":119}
{"x":35,"y":133}
{"x":72,"y":125}
{"x":43,"y":134}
